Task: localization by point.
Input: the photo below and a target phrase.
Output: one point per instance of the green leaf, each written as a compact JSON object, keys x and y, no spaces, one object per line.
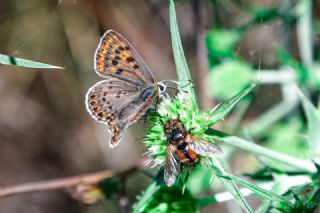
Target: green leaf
{"x":315,"y":200}
{"x":260,"y":15}
{"x":305,"y":39}
{"x":305,"y":197}
{"x":224,"y":108}
{"x":110,"y":186}
{"x":229,"y":77}
{"x":10,"y":60}
{"x":313,"y":117}
{"x":286,"y":134}
{"x":179,"y":57}
{"x":316,"y":26}
{"x":304,"y":165}
{"x":199,"y":180}
{"x":230,"y":185}
{"x":268,"y":173}
{"x":205,"y":201}
{"x":289,"y":60}
{"x":279,"y":202}
{"x":221,"y":42}
{"x":159,"y":198}
{"x":277,"y":187}
{"x":148,"y":193}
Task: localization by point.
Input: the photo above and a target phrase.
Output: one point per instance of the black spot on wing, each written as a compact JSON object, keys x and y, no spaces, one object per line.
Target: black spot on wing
{"x":130,"y":59}
{"x":119,"y":71}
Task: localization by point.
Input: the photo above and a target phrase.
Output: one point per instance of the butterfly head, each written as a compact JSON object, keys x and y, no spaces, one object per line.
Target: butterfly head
{"x":161,"y":88}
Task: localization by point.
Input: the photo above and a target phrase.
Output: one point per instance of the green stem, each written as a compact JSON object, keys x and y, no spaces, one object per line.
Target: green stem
{"x":304,"y":31}
{"x":261,"y":151}
{"x":178,"y":54}
{"x":230,"y":185}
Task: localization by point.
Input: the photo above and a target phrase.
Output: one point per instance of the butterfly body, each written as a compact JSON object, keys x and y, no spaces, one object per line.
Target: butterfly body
{"x":184,"y":148}
{"x":128,"y":89}
{"x":147,"y":96}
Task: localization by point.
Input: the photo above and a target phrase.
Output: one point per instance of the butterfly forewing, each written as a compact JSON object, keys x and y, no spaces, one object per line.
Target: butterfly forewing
{"x":119,"y":104}
{"x":115,"y":56}
{"x":172,"y":166}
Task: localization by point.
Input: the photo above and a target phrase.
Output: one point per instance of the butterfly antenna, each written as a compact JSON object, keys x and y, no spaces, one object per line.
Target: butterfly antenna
{"x":174,"y":88}
{"x":179,"y":82}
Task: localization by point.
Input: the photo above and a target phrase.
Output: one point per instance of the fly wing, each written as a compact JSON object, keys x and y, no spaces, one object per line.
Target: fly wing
{"x":116,"y":57}
{"x":172,"y":166}
{"x":204,"y":148}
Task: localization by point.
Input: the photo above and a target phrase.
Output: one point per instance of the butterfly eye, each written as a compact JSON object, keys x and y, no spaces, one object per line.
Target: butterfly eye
{"x":161,"y":88}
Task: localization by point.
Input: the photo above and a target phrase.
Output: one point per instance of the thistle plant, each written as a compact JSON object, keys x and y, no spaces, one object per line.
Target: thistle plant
{"x":184,"y":107}
{"x":180,"y":107}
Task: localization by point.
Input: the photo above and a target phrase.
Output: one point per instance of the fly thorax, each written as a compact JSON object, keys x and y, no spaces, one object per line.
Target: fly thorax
{"x":176,"y":137}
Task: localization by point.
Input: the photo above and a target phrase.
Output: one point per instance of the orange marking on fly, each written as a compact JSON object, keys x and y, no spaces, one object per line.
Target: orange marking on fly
{"x":193,"y":155}
{"x":186,"y":155}
{"x":189,"y":137}
{"x":180,"y":155}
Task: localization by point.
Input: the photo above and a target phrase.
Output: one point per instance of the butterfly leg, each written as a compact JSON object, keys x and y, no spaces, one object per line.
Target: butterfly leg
{"x":156,"y":105}
{"x":145,"y":120}
{"x":187,"y":84}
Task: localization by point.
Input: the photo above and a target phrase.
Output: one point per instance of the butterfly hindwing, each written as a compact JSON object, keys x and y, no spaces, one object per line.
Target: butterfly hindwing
{"x":118,"y":104}
{"x":115,"y":56}
{"x":130,"y":113}
{"x":105,"y":99}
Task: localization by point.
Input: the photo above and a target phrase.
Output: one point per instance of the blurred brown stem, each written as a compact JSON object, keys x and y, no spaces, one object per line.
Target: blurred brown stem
{"x":202,"y":58}
{"x":60,"y":183}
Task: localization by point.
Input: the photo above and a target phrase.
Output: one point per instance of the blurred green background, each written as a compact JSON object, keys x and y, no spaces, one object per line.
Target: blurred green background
{"x":46,"y":133}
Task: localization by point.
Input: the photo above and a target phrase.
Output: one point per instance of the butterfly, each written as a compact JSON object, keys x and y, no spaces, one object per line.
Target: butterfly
{"x":184,"y":148}
{"x":128,"y":89}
